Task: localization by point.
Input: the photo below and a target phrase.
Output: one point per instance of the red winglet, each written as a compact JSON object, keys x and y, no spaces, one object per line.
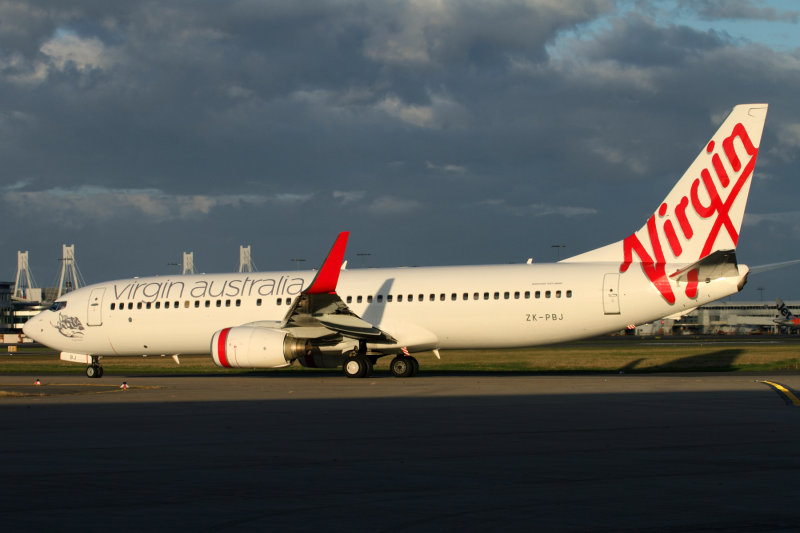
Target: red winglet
{"x":328,"y":275}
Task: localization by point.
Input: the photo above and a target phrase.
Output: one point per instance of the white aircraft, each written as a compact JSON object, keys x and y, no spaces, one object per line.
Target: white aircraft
{"x":788,"y":320}
{"x":683,"y":257}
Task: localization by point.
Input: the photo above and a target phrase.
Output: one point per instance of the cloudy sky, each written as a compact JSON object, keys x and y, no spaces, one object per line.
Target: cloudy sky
{"x":437,"y":132}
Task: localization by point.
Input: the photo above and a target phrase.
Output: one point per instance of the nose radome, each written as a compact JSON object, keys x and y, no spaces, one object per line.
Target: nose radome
{"x":32,"y":327}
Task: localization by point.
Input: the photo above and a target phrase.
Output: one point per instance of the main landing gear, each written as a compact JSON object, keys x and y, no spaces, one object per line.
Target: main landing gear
{"x":404,"y":366}
{"x":94,"y":370}
{"x":359,"y":365}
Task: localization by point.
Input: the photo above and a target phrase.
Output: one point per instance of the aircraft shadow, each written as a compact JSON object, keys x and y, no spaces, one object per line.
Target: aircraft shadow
{"x":722,"y":360}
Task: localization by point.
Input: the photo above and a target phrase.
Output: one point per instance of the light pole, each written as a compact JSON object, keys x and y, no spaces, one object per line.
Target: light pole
{"x":297,"y":261}
{"x":558,"y":248}
{"x":363,"y":256}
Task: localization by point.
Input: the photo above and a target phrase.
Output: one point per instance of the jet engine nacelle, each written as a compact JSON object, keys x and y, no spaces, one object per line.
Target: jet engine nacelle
{"x":254,"y":347}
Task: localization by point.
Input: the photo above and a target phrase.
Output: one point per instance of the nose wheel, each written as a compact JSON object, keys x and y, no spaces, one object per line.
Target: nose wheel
{"x":94,"y":370}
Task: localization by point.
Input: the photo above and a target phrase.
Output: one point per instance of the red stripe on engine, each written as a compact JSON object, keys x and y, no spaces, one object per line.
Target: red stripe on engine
{"x":223,"y":359}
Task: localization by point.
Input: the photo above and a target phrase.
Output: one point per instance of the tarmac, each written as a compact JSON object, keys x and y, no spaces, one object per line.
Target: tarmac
{"x":466,"y":452}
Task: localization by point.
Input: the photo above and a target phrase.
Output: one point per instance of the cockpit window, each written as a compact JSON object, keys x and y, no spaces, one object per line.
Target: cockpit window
{"x":58,"y":306}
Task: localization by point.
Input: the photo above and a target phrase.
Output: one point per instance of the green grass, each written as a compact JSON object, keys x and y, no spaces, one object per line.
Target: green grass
{"x":667,"y":355}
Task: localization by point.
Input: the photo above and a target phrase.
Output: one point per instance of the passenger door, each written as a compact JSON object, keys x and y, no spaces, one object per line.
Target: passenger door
{"x":95,"y":316}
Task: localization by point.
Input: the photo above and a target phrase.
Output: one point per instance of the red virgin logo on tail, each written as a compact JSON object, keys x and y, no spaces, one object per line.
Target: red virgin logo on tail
{"x":718,"y":209}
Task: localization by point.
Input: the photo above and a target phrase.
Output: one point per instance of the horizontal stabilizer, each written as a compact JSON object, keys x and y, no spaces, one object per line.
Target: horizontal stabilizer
{"x":719,"y":264}
{"x":772,"y":266}
{"x":680,"y":314}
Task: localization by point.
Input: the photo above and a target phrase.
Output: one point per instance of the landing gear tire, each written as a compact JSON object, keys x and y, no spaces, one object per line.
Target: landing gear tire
{"x":404,"y":366}
{"x":414,"y":364}
{"x":94,"y":371}
{"x":357,"y":366}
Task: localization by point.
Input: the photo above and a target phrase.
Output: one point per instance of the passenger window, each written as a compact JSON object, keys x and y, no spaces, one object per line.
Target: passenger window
{"x":288,"y":301}
{"x":432,"y":297}
{"x":166,"y":305}
{"x":158,"y":305}
{"x":410,"y":297}
{"x":485,"y":295}
{"x":349,"y":299}
{"x":538,"y":294}
{"x":369,"y":299}
{"x":227,"y":303}
{"x":558,"y":294}
{"x":208,"y":303}
{"x":186,"y":304}
{"x":138,"y":305}
{"x":130,"y":305}
{"x":380,"y":298}
{"x":569,"y":294}
{"x":238,"y":303}
{"x":527,"y":295}
{"x":516,"y":295}
{"x":476,"y":296}
{"x":547,"y":294}
{"x":497,"y":296}
{"x":399,"y":297}
{"x":112,"y":307}
{"x":358,"y":299}
{"x":466,"y":296}
{"x":177,"y":305}
{"x":219,"y":303}
{"x":258,"y":302}
{"x":441,"y":297}
{"x":421,"y":298}
{"x":389,"y":298}
{"x":197,"y":304}
{"x":506,"y":295}
{"x":279,"y":301}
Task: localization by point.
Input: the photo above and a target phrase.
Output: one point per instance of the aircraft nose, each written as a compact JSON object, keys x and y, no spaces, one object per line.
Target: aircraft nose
{"x":33,"y":328}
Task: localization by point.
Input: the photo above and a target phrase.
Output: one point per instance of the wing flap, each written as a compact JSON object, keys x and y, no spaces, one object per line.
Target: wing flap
{"x":355,"y":328}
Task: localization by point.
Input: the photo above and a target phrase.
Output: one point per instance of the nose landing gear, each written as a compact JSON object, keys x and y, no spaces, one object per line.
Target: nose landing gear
{"x":94,"y":370}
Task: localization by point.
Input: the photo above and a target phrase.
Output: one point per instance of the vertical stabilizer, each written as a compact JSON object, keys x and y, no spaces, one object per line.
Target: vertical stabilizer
{"x":703,"y":213}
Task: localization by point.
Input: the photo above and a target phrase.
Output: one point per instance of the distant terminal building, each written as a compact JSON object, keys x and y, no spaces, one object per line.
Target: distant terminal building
{"x":724,"y":318}
{"x":6,"y":307}
{"x":14,"y":312}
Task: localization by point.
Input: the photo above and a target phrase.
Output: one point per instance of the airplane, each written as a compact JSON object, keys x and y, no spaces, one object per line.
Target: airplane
{"x":682,"y":257}
{"x":788,"y":320}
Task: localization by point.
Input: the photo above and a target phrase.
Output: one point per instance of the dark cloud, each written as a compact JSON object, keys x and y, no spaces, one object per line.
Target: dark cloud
{"x":740,"y":9}
{"x":452,"y":132}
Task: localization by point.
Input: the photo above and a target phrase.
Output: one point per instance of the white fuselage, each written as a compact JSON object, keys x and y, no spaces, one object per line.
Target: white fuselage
{"x":423,"y":308}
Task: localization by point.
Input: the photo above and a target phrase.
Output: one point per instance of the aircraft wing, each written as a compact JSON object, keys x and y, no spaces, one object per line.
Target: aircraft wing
{"x":318,"y":306}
